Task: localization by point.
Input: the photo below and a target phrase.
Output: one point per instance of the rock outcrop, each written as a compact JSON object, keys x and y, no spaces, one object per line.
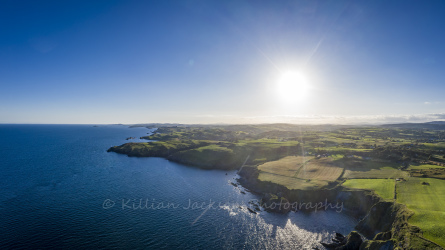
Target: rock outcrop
{"x":351,"y":242}
{"x":273,"y":203}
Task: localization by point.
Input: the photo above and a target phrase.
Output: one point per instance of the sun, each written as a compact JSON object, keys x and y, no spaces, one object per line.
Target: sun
{"x":292,"y":86}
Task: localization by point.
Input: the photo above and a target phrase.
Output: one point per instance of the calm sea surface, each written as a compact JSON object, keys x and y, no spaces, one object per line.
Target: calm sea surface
{"x":59,"y":188}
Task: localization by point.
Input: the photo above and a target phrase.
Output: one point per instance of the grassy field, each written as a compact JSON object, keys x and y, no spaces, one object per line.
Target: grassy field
{"x":209,"y":156}
{"x":320,"y":169}
{"x":436,"y":146}
{"x":428,"y":204}
{"x":425,"y":166}
{"x":213,"y":148}
{"x":288,"y":166}
{"x":156,"y":148}
{"x":372,"y":169}
{"x":297,"y":172}
{"x":360,"y":165}
{"x":292,"y":182}
{"x":438,"y":173}
{"x":267,"y":142}
{"x":376,"y":174}
{"x":383,"y":187}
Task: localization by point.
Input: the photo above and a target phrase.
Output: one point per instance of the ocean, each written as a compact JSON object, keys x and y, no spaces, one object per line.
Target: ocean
{"x":60,"y":188}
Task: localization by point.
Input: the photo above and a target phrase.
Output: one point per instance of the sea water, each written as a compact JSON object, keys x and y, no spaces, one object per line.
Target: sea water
{"x":61,"y":189}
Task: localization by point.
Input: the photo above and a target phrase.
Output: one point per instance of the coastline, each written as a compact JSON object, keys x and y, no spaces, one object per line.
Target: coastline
{"x":383,"y":223}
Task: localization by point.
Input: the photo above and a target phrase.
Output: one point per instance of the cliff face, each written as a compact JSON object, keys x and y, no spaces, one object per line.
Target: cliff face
{"x":208,"y":157}
{"x":384,"y":223}
{"x":193,"y":153}
{"x":132,"y":149}
{"x":356,"y":203}
{"x":155,"y":149}
{"x":387,"y":225}
{"x":380,"y":218}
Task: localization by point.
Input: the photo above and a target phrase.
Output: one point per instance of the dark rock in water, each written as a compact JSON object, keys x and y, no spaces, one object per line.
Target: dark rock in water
{"x":337,"y":241}
{"x":351,"y":242}
{"x":274,"y":204}
{"x":234,"y":184}
{"x":330,"y":245}
{"x":339,"y":236}
{"x":255,"y":206}
{"x":243,"y":192}
{"x":250,"y":210}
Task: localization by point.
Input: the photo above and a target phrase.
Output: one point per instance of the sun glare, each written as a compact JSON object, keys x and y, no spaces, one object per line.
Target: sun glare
{"x":292,"y":87}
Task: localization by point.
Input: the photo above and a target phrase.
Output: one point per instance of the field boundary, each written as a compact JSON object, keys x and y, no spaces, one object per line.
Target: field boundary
{"x":430,"y":241}
{"x":395,"y":190}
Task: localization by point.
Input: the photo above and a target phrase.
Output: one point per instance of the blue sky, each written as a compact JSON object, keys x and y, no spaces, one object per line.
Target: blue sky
{"x":221,"y":61}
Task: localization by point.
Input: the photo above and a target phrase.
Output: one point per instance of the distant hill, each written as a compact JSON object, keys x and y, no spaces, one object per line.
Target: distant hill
{"x":252,"y":129}
{"x":437,"y":125}
{"x":261,"y":128}
{"x":436,"y":122}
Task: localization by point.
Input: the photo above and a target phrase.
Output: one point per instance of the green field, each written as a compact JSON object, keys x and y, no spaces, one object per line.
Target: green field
{"x":440,"y":145}
{"x":424,"y":166}
{"x":320,"y":169}
{"x":292,"y":182}
{"x":383,"y":187}
{"x":210,"y":156}
{"x":428,"y":204}
{"x":376,"y":173}
{"x":372,"y":169}
{"x":288,"y":166}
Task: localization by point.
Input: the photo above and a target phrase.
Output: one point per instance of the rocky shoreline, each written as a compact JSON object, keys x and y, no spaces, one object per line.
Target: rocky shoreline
{"x":340,"y":242}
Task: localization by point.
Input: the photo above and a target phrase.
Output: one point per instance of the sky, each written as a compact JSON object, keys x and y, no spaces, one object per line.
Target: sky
{"x":191,"y":61}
